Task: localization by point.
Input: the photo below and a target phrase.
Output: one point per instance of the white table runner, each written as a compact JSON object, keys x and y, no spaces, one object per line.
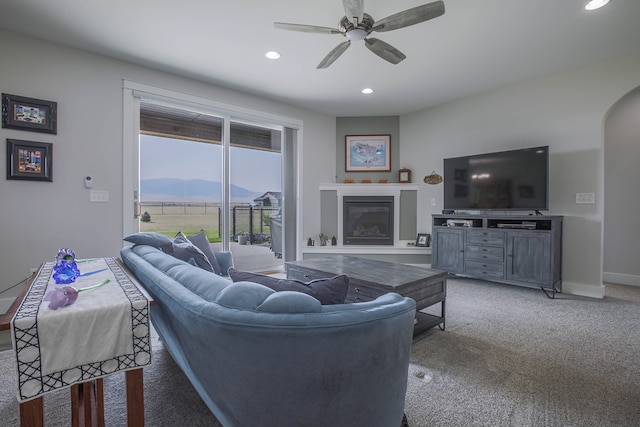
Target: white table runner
{"x":105,"y":331}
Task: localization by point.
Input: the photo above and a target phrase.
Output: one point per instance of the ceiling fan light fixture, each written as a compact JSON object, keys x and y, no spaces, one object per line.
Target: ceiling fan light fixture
{"x":367,"y":91}
{"x":596,"y":4}
{"x":272,"y":54}
{"x":356,"y":34}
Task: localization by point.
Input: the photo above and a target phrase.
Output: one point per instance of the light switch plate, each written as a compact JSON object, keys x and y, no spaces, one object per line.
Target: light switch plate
{"x":99,"y":196}
{"x":585,"y":198}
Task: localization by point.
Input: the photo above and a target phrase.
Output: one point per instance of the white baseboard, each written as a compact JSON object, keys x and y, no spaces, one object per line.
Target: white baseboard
{"x":592,"y":291}
{"x":621,"y":279}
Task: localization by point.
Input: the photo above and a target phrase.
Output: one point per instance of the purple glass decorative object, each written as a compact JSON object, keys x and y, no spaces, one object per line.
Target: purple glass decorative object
{"x":67,"y":295}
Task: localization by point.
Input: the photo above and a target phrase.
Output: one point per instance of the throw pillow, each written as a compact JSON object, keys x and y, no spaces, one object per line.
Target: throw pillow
{"x":151,"y":239}
{"x":185,"y":250}
{"x":331,"y":290}
{"x":201,"y":242}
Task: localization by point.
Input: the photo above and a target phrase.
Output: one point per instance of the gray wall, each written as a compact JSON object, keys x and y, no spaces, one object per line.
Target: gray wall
{"x":622,"y":195}
{"x":40,"y":217}
{"x":565,"y":111}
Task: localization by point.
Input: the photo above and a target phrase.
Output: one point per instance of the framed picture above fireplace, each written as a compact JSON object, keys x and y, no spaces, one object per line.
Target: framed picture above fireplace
{"x":368,"y":153}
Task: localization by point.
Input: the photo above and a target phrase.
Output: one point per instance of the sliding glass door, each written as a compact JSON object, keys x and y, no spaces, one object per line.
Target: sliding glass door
{"x":193,"y":176}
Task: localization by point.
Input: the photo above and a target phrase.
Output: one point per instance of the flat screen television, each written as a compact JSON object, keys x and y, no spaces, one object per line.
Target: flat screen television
{"x":505,"y":180}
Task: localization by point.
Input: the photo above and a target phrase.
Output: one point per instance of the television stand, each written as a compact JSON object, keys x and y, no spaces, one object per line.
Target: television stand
{"x":522,"y":250}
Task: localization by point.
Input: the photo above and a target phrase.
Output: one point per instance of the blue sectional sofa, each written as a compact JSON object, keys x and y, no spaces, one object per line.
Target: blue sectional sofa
{"x":263,"y":358}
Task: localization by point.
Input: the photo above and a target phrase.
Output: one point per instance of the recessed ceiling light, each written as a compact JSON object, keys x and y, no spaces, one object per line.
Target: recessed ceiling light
{"x":596,"y":4}
{"x":367,"y":90}
{"x":272,"y":54}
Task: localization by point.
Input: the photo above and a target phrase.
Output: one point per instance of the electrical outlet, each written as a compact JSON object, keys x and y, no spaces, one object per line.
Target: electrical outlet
{"x":433,"y":201}
{"x":585,"y":198}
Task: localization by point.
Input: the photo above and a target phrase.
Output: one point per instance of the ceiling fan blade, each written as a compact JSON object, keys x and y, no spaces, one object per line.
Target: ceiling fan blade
{"x":409,"y":17}
{"x":306,"y":28}
{"x":384,"y":50}
{"x":354,"y":10}
{"x":334,"y":54}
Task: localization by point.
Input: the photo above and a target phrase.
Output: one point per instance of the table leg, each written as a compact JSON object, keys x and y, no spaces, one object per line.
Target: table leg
{"x":87,"y":404}
{"x":443,"y":315}
{"x":32,"y":413}
{"x":135,"y":398}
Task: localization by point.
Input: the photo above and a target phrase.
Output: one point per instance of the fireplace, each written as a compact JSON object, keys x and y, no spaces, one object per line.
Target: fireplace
{"x":367,"y":220}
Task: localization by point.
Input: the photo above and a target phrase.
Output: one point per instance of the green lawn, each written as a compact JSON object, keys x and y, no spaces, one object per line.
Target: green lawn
{"x":190,"y":219}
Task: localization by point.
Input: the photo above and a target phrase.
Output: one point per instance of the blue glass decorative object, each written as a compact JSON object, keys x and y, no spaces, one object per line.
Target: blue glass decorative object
{"x":65,"y":269}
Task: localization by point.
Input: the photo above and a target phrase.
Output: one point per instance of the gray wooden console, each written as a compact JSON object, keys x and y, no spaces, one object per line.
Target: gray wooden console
{"x":518,"y":250}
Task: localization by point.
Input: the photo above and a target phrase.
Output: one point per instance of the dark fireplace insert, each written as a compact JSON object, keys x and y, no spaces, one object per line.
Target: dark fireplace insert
{"x":367,"y":220}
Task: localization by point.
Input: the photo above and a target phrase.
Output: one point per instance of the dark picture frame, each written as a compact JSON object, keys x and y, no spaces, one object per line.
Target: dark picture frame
{"x":423,"y":240}
{"x":368,"y":153}
{"x":36,"y":115}
{"x":29,"y":160}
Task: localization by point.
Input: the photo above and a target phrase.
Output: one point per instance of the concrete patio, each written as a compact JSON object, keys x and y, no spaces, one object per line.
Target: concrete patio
{"x":255,"y":258}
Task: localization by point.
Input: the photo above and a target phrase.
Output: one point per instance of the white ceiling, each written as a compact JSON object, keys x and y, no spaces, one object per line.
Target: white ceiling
{"x":477,"y":45}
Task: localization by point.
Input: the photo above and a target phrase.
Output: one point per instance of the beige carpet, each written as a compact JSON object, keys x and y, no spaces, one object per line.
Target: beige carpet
{"x":509,"y":357}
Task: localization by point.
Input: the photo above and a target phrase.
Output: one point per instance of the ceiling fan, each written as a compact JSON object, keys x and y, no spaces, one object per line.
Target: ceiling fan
{"x":357,"y":25}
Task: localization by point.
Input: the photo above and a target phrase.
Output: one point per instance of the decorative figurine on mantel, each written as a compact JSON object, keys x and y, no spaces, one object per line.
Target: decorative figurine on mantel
{"x":334,"y":241}
{"x":323,"y":239}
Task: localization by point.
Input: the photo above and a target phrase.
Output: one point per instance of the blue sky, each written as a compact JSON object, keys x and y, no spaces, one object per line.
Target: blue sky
{"x":254,"y":170}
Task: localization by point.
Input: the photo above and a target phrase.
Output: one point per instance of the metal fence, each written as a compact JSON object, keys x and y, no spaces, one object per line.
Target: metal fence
{"x":247,"y":221}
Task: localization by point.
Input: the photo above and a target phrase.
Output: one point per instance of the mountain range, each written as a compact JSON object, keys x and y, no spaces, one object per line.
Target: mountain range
{"x":180,"y":190}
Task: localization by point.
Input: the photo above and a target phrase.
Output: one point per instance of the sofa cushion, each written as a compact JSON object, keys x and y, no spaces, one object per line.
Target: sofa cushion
{"x":185,"y":250}
{"x":243,"y":295}
{"x":205,"y":284}
{"x":201,"y":242}
{"x":331,"y":290}
{"x":151,"y":239}
{"x":290,"y":302}
{"x":225,"y":260}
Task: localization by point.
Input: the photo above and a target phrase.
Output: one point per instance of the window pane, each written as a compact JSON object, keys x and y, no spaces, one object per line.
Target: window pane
{"x":255,"y":161}
{"x":180,"y":186}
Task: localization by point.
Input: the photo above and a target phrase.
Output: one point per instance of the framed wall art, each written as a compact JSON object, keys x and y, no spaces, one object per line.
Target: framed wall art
{"x":30,"y":114}
{"x":368,"y":153}
{"x":423,"y":240}
{"x":29,"y":160}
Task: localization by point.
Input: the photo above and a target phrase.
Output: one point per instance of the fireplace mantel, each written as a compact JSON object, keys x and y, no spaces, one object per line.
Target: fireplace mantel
{"x":355,"y":189}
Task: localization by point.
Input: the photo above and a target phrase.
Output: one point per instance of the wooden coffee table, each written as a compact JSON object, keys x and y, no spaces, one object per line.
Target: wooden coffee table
{"x":368,"y":279}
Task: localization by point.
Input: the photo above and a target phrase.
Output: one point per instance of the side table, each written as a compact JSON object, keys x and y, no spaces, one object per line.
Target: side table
{"x":87,"y":398}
